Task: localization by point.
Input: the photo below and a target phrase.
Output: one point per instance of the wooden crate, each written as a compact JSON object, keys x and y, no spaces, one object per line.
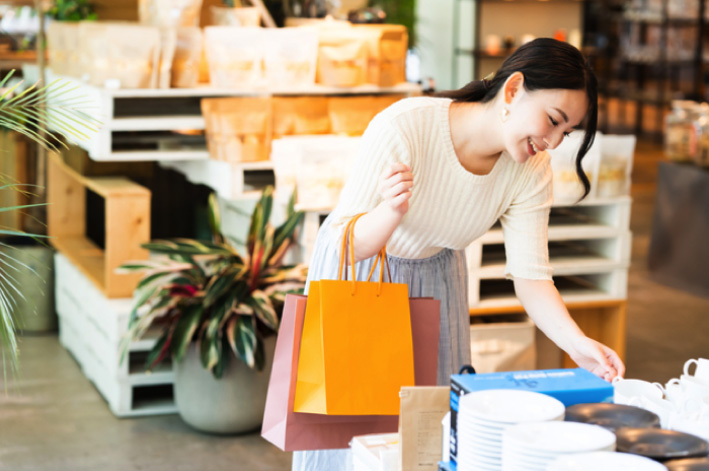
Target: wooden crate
{"x":13,"y":169}
{"x":127,"y":225}
{"x":91,"y":328}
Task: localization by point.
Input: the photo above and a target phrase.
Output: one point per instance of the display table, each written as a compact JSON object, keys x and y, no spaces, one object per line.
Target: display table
{"x":678,"y":254}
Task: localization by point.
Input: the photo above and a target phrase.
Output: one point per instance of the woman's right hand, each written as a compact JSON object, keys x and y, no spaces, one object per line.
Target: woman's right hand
{"x":395,"y":187}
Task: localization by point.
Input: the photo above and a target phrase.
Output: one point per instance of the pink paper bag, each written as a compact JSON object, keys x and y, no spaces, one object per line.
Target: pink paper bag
{"x":295,"y":431}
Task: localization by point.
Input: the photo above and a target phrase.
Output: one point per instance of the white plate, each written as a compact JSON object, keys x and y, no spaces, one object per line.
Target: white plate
{"x":511,"y":406}
{"x":605,"y":460}
{"x":561,"y":437}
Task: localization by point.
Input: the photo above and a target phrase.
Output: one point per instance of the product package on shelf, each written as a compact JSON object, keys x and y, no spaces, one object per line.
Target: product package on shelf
{"x":290,"y":57}
{"x":343,"y":57}
{"x":300,"y":115}
{"x":387,"y":48}
{"x":616,"y":165}
{"x":234,"y":16}
{"x":170,"y":13}
{"x":119,"y":55}
{"x":168,"y":46}
{"x":378,"y":452}
{"x":238,"y":129}
{"x":234,"y":56}
{"x":351,"y":115}
{"x":318,"y":166}
{"x":186,"y":62}
{"x":567,"y":186}
{"x":63,"y":46}
{"x":570,"y":386}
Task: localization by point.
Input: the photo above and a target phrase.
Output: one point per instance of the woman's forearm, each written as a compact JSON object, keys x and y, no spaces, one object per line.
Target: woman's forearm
{"x":544,"y":305}
{"x":373,"y":230}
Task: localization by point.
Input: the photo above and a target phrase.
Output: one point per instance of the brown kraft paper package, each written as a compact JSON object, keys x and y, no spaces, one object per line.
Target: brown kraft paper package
{"x":238,"y":129}
{"x":351,"y":115}
{"x":420,"y":430}
{"x":301,"y":115}
{"x":188,"y":53}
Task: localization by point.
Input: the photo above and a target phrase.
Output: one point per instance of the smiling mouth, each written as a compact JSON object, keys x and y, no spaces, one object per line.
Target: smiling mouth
{"x":533,"y":146}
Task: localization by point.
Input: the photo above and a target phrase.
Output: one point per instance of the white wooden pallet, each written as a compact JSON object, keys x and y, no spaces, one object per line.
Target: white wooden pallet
{"x":102,"y":103}
{"x":91,"y":327}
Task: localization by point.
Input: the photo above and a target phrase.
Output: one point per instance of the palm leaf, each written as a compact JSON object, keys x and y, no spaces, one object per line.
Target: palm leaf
{"x":26,"y":113}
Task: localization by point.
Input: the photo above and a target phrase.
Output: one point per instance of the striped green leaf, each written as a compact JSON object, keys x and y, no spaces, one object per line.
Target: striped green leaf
{"x":185,"y":328}
{"x":242,"y":339}
{"x":263,"y":308}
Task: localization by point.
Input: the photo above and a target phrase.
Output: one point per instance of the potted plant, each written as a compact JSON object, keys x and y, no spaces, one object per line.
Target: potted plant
{"x":217,"y":312}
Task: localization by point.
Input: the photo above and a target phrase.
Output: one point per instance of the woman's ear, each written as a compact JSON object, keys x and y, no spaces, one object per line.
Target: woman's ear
{"x":514,"y":87}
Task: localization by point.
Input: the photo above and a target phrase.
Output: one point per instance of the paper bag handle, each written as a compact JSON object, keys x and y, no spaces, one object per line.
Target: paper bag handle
{"x":381,"y":256}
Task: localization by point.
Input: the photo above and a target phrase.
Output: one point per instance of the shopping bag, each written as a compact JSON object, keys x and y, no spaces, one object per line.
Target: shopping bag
{"x":357,"y":348}
{"x":295,"y":431}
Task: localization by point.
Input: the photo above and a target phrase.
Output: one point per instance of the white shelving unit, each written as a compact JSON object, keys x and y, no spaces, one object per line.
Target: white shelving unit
{"x":589,"y":250}
{"x":91,"y":327}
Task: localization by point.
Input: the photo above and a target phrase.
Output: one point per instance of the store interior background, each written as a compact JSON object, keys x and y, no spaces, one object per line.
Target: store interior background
{"x":59,"y":421}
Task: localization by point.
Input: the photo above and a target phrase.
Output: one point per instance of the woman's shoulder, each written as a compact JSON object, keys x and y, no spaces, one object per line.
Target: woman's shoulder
{"x":413,"y":108}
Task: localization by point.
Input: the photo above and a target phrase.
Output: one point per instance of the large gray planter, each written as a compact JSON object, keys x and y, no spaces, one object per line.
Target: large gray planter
{"x":230,"y":405}
{"x":35,"y":279}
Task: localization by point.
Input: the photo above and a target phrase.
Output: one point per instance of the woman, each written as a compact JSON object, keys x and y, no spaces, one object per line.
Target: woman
{"x":450,"y":167}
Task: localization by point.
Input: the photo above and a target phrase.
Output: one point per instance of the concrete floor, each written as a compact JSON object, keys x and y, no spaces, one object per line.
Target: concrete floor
{"x":52,"y":418}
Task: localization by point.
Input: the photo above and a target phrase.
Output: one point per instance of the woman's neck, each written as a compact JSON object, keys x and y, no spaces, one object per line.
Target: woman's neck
{"x":476,"y":135}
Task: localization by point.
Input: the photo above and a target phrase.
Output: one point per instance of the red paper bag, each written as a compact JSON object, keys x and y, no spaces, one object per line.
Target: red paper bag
{"x":295,"y":431}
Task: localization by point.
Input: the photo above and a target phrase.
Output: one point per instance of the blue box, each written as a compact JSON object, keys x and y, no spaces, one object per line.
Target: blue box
{"x":570,"y":386}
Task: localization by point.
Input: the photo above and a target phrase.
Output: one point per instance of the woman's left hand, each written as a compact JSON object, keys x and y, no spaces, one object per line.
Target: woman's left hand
{"x":596,"y":358}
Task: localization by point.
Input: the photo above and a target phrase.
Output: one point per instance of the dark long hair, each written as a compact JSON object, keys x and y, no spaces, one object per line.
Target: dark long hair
{"x":546,"y":64}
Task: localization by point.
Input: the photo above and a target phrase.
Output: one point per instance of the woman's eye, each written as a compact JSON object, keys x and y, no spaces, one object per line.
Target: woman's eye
{"x":567,"y":133}
{"x":553,"y":122}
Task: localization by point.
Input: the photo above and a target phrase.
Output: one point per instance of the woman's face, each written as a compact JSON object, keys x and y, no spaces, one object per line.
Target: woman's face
{"x":540,"y":120}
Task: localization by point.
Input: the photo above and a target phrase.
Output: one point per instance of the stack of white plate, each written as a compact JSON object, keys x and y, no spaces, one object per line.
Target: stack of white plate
{"x":534,"y":446}
{"x":483,"y":417}
{"x":605,"y":460}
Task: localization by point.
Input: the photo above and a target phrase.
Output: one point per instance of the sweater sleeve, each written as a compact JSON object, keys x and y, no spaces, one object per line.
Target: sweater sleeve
{"x":381,"y":145}
{"x":525,"y":226}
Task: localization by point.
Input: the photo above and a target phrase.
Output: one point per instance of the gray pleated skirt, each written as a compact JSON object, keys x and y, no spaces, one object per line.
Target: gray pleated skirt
{"x":443,"y":276}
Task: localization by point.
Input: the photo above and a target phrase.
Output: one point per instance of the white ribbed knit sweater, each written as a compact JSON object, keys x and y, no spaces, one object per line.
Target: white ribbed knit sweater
{"x":450,"y":207}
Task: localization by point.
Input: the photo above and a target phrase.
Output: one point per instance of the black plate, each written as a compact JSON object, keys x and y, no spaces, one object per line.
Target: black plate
{"x":660,"y":444}
{"x":612,"y":416}
{"x":691,"y":464}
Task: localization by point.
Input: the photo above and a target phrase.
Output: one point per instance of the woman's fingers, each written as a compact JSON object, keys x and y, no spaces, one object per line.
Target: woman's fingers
{"x":393,"y":169}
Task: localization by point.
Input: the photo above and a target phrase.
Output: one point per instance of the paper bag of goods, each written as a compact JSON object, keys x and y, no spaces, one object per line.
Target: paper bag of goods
{"x":234,"y":16}
{"x":342,"y":57}
{"x":169,"y":13}
{"x":420,"y":431}
{"x":567,"y":185}
{"x":290,"y":57}
{"x":238,"y":129}
{"x":300,"y":115}
{"x":234,"y":55}
{"x":188,"y":52}
{"x":317,"y":166}
{"x":616,"y":164}
{"x":122,"y":55}
{"x":375,"y":452}
{"x":387,"y":48}
{"x":168,"y":45}
{"x":351,"y":115}
{"x":63,"y":46}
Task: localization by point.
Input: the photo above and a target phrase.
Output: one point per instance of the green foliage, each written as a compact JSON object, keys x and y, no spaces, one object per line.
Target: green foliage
{"x":30,"y":112}
{"x":72,"y":10}
{"x":207,"y":292}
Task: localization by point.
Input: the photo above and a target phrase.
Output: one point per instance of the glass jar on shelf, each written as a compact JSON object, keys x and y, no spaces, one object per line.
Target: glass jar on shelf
{"x":681,"y":131}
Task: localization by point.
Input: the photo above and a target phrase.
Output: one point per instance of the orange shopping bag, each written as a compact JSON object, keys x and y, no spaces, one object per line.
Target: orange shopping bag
{"x":356,"y":350}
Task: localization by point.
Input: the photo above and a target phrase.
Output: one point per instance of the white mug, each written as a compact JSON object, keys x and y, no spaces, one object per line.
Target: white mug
{"x":693,"y":388}
{"x":629,"y":391}
{"x":701,"y":372}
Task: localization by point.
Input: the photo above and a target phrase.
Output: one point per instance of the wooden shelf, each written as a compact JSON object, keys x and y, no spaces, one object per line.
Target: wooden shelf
{"x":127,"y":225}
